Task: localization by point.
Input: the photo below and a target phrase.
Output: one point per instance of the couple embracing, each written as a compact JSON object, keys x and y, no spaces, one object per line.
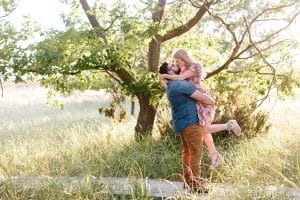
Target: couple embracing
{"x":192,"y":116}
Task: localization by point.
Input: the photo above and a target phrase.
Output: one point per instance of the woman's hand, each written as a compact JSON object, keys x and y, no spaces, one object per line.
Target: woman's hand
{"x":199,"y":103}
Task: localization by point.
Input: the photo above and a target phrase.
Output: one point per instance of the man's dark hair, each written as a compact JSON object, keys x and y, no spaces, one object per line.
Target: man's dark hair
{"x":163,"y":69}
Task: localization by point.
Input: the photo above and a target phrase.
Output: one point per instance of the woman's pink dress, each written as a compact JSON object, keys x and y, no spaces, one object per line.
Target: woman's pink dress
{"x":206,"y":113}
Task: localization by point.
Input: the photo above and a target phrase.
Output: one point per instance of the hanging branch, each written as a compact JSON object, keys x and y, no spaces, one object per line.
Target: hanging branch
{"x":227,"y":26}
{"x":234,"y":50}
{"x":116,"y":78}
{"x":112,"y":22}
{"x":266,"y":62}
{"x":262,"y":50}
{"x":235,"y":54}
{"x":188,"y":25}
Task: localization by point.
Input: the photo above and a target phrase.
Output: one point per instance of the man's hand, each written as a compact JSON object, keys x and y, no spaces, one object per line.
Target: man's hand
{"x":161,"y":76}
{"x":164,"y":82}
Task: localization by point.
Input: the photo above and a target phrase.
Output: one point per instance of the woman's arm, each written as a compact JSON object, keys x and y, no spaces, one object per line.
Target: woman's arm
{"x":187,"y":74}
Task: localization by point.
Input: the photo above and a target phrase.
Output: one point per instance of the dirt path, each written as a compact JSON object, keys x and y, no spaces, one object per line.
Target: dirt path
{"x":158,"y":189}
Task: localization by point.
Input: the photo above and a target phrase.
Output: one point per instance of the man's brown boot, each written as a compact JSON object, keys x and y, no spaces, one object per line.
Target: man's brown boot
{"x":196,"y":185}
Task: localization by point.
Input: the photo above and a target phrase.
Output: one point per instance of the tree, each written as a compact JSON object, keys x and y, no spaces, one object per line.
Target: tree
{"x":7,"y":7}
{"x":12,"y":55}
{"x":126,"y":45}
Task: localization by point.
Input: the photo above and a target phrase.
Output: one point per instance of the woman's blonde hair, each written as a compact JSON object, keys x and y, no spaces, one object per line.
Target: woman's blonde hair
{"x":183,"y":55}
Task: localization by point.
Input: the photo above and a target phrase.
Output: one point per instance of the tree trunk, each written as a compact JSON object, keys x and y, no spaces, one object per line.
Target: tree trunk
{"x":147,"y":111}
{"x":153,"y":55}
{"x":145,"y":119}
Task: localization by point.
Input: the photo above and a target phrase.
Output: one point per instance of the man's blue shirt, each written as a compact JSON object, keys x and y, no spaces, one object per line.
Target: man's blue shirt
{"x":184,"y":111}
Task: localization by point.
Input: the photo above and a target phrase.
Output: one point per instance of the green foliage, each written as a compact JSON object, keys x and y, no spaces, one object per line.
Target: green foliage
{"x":83,"y":61}
{"x":238,"y":100}
{"x":14,"y":53}
{"x":78,"y":59}
{"x":149,"y":85}
{"x":6,"y":6}
{"x":74,"y":60}
{"x":65,"y":52}
{"x":207,"y":49}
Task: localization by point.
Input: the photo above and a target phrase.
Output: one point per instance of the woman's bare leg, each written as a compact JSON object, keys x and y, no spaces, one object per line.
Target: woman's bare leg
{"x":231,"y":125}
{"x":209,"y":141}
{"x":213,"y":128}
{"x":216,"y":157}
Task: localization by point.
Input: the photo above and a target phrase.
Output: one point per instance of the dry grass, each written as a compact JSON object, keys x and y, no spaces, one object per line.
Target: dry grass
{"x":37,"y":139}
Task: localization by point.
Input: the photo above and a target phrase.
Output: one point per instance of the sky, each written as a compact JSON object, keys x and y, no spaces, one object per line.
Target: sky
{"x":46,"y":12}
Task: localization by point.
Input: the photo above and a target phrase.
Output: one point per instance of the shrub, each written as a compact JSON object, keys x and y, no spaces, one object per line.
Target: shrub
{"x":237,"y":98}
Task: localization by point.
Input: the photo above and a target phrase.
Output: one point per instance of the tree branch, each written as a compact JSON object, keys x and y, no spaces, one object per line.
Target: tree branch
{"x":196,"y":5}
{"x":112,"y":22}
{"x":268,"y":36}
{"x":169,"y":3}
{"x":186,"y":27}
{"x":113,"y":77}
{"x":92,"y":19}
{"x":270,"y":74}
{"x":159,"y":13}
{"x":228,"y":27}
{"x":255,"y":19}
{"x":267,"y":63}
{"x":145,"y":2}
{"x":234,"y":54}
{"x":123,"y":74}
{"x":234,"y":50}
{"x":250,"y":46}
{"x":11,"y":10}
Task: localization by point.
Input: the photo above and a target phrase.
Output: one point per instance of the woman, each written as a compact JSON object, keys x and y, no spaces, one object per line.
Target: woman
{"x":193,"y":72}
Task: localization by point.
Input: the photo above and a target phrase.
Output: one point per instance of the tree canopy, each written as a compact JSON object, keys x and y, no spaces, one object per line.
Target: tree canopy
{"x":243,"y":44}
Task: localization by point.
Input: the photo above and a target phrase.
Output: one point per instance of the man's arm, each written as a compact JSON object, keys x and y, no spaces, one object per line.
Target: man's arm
{"x":164,"y":82}
{"x":187,"y":74}
{"x":203,"y":98}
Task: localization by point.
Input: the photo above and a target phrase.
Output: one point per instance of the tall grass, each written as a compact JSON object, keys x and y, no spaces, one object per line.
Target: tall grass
{"x":37,"y":139}
{"x":271,"y":159}
{"x":76,"y":141}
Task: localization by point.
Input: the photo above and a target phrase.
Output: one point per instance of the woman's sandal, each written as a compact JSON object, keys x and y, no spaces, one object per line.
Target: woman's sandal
{"x":233,"y":126}
{"x":217,"y":160}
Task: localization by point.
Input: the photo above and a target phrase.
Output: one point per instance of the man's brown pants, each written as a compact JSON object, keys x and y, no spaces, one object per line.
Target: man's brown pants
{"x":191,"y":140}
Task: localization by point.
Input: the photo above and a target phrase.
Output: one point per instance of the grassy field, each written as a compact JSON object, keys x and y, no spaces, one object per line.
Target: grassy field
{"x":39,"y":139}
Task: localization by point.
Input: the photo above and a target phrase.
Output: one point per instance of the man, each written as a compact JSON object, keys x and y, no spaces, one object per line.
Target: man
{"x":182,"y":96}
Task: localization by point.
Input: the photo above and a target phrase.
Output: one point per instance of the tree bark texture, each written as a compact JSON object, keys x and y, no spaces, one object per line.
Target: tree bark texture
{"x":153,"y":55}
{"x":145,"y":119}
